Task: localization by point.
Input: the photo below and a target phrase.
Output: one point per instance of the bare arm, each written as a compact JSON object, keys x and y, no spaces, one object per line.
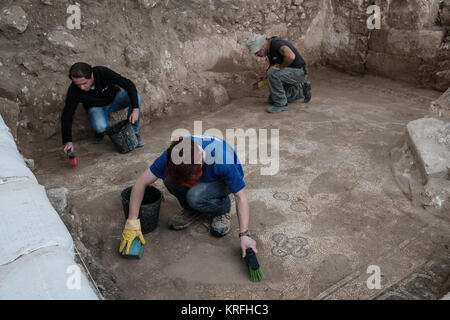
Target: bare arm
{"x":137,"y":192}
{"x":288,"y":57}
{"x":243,"y":213}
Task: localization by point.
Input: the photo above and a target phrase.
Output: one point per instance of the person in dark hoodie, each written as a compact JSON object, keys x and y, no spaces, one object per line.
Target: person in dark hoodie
{"x":101,"y":91}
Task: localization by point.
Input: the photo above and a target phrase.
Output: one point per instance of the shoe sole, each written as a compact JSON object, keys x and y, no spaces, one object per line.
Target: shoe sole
{"x":218,"y":234}
{"x":279,"y":110}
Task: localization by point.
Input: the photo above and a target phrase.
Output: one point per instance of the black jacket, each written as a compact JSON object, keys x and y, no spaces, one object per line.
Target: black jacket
{"x":107,"y":83}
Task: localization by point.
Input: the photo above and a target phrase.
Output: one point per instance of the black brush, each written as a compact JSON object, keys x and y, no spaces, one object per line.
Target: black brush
{"x":256,"y":273}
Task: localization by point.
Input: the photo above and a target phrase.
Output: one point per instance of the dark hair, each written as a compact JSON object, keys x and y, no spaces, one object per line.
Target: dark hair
{"x":184,"y":174}
{"x":80,"y":70}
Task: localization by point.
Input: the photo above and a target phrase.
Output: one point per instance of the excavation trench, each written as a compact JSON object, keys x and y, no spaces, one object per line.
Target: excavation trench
{"x":332,"y":210}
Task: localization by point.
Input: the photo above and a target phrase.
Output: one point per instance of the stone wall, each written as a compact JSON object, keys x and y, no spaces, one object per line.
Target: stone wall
{"x":180,"y":54}
{"x":412,"y":43}
{"x":189,"y":54}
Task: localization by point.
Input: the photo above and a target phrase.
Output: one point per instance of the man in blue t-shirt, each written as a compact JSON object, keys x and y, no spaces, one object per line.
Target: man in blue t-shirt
{"x":287,"y":71}
{"x":201,"y":172}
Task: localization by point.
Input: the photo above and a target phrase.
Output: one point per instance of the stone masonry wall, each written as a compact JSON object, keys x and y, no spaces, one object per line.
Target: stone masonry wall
{"x":189,"y":54}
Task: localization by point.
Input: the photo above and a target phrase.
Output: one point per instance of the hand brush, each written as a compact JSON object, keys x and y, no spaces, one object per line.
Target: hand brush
{"x":72,"y":159}
{"x":258,"y":84}
{"x":256,"y":273}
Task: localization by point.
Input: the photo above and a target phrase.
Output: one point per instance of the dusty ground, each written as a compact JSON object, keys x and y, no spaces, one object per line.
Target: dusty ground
{"x":332,"y":210}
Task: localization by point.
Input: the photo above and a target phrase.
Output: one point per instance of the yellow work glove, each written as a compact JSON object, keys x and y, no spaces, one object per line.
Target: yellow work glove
{"x":131,"y":230}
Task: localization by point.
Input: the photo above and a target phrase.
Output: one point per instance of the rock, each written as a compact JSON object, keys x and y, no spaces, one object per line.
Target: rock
{"x":13,"y":21}
{"x":429,"y":140}
{"x":9,"y":110}
{"x":442,"y":79}
{"x":156,"y":96}
{"x":444,"y":14}
{"x":61,"y":39}
{"x":46,"y":2}
{"x":217,"y":95}
{"x":148,"y":3}
{"x":29,"y":163}
{"x":441,"y":106}
{"x":10,"y":89}
{"x":136,"y":58}
{"x":271,"y":18}
{"x":437,"y":195}
{"x":58,"y":199}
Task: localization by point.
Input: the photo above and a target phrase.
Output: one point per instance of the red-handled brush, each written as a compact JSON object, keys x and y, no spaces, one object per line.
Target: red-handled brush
{"x":72,"y":159}
{"x":258,"y":84}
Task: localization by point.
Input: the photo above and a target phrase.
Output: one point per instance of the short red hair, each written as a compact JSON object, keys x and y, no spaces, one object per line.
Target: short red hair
{"x":187,"y":173}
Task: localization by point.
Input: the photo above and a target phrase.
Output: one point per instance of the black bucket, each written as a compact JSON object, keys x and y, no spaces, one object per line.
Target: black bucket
{"x":122,"y":135}
{"x":149,"y":210}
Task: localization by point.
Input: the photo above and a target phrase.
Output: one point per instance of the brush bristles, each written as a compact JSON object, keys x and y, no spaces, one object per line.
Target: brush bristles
{"x":255,"y":274}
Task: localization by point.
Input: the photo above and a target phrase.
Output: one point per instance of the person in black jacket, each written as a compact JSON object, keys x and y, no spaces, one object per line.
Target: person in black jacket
{"x":102,"y":91}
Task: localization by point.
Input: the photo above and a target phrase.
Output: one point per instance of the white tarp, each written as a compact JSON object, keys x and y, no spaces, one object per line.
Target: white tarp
{"x":28,"y":221}
{"x":36,"y":249}
{"x":48,"y":273}
{"x":12,"y":165}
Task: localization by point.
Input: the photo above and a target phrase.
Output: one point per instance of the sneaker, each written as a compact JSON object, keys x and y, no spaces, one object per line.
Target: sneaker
{"x":307,"y":91}
{"x":221,"y":225}
{"x":140,"y":142}
{"x":273,"y":109}
{"x":98,"y":137}
{"x":184,"y":219}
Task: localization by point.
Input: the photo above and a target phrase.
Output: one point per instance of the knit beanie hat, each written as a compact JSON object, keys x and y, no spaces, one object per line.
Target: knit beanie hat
{"x":255,"y":42}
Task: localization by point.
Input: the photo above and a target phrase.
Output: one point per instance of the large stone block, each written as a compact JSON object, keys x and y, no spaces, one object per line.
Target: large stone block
{"x":441,"y":106}
{"x":412,"y":14}
{"x":393,"y":66}
{"x":422,"y":43}
{"x":429,"y":140}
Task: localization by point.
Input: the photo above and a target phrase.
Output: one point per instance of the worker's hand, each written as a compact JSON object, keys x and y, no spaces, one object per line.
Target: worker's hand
{"x":131,"y":230}
{"x":247,"y":242}
{"x":276,"y":67}
{"x":134,"y":116}
{"x":68,"y":146}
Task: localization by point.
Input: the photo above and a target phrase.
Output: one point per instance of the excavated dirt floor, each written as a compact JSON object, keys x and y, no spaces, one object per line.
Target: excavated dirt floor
{"x":332,"y":210}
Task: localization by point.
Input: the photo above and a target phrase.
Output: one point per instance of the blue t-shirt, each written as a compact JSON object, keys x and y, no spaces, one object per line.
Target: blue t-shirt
{"x":221,"y":163}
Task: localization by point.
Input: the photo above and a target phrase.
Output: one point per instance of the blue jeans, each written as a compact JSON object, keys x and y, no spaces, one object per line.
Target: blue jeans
{"x":99,"y":116}
{"x":206,"y":197}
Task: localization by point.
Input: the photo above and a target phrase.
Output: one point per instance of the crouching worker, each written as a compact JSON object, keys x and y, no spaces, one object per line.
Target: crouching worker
{"x":287,"y":71}
{"x":201,"y":172}
{"x":102,"y":91}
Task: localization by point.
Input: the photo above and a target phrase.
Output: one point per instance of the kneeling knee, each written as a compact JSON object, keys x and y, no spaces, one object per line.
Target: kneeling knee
{"x":194,"y":199}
